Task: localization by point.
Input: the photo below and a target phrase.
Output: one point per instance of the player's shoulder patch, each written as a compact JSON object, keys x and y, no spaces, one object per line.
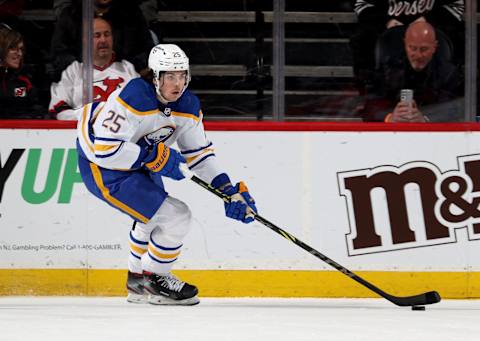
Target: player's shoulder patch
{"x":139,"y":97}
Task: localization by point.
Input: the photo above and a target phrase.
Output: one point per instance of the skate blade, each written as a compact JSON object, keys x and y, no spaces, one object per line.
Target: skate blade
{"x":136,"y":298}
{"x":162,"y":300}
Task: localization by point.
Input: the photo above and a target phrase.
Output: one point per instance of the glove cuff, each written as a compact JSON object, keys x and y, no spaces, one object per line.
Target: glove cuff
{"x":158,"y":158}
{"x":220,"y":180}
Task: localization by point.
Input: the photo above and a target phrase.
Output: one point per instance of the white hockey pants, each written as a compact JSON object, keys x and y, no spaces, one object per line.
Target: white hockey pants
{"x":155,"y":246}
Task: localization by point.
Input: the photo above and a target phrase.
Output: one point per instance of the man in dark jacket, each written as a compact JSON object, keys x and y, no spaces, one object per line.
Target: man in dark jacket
{"x":435,"y":82}
{"x":377,"y":16}
{"x":132,"y":42}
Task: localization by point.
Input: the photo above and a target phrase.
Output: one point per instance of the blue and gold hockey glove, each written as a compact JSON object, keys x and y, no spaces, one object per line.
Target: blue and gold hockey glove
{"x":164,"y":161}
{"x":241,"y":205}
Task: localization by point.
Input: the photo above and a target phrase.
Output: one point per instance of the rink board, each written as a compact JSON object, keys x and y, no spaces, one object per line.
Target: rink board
{"x":398,"y":207}
{"x":243,"y":283}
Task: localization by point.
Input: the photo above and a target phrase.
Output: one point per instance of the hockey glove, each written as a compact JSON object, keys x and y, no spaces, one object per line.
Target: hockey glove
{"x":241,"y":205}
{"x":164,"y":161}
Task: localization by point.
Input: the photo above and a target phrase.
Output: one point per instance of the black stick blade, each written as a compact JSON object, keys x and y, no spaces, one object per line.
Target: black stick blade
{"x":430,"y":297}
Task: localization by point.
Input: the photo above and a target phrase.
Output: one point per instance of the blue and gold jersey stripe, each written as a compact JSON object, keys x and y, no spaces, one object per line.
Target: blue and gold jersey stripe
{"x":186,"y":115}
{"x":135,"y":111}
{"x":97,"y":175}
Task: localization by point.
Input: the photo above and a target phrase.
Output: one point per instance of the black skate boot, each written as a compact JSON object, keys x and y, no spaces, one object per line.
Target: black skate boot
{"x":166,"y":289}
{"x":136,"y":293}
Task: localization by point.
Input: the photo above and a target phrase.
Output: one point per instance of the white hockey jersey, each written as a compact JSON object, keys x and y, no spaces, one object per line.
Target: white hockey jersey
{"x":67,"y":94}
{"x":108,"y":132}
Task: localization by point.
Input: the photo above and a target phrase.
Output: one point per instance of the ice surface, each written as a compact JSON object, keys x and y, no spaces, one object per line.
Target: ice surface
{"x":232,"y":319}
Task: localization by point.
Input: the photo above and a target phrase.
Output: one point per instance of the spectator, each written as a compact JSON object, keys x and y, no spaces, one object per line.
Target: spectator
{"x":108,"y":75}
{"x":376,"y":16}
{"x":36,"y":36}
{"x":132,"y":41}
{"x":435,"y":81}
{"x":18,"y":96}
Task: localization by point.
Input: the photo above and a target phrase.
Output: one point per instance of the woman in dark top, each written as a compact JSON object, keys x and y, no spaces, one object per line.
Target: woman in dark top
{"x":18,"y":96}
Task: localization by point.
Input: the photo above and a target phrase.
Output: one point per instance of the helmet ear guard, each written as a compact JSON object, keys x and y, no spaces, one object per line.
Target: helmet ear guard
{"x":168,"y":57}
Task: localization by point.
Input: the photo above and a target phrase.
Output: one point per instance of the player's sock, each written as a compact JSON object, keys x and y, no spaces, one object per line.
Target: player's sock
{"x":136,"y":293}
{"x":166,"y":289}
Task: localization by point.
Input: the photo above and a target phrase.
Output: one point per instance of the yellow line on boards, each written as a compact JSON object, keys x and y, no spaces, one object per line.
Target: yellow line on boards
{"x":243,"y":283}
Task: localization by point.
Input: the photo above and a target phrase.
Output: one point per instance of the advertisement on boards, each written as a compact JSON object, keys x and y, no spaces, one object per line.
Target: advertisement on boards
{"x":405,"y":201}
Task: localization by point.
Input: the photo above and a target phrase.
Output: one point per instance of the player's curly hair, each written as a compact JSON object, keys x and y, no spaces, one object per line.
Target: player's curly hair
{"x":147,"y":75}
{"x":9,"y":38}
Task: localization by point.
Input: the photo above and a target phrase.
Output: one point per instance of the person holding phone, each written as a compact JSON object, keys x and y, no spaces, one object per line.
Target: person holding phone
{"x":435,"y":82}
{"x":406,"y":109}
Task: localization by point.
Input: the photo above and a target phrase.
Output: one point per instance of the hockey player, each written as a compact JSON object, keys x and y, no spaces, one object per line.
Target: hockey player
{"x":108,"y":75}
{"x":124,"y":148}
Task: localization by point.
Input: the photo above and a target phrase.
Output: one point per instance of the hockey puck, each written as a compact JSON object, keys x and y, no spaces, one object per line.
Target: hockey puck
{"x":418,"y":307}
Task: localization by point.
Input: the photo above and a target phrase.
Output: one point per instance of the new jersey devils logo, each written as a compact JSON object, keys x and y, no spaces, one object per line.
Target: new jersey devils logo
{"x":101,"y":92}
{"x":20,"y":92}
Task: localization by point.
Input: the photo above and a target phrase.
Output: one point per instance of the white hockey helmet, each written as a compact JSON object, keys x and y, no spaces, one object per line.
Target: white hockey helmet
{"x":168,"y":57}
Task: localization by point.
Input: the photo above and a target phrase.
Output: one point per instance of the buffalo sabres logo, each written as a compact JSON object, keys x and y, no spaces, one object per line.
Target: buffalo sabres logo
{"x":160,"y":135}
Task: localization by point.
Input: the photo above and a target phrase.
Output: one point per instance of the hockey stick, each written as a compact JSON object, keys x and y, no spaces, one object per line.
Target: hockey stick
{"x":430,"y":297}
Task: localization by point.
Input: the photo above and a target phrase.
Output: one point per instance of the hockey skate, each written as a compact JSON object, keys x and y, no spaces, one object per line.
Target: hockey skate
{"x":166,"y":289}
{"x":136,"y":293}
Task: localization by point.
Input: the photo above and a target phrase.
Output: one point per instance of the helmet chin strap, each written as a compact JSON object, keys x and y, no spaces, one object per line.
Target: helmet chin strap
{"x":156,"y":82}
{"x":161,"y":98}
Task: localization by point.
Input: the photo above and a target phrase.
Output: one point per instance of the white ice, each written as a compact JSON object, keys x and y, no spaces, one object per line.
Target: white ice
{"x":242,"y":319}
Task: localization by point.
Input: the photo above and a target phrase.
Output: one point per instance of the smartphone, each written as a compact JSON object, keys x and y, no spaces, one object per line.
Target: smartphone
{"x":406,"y":95}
